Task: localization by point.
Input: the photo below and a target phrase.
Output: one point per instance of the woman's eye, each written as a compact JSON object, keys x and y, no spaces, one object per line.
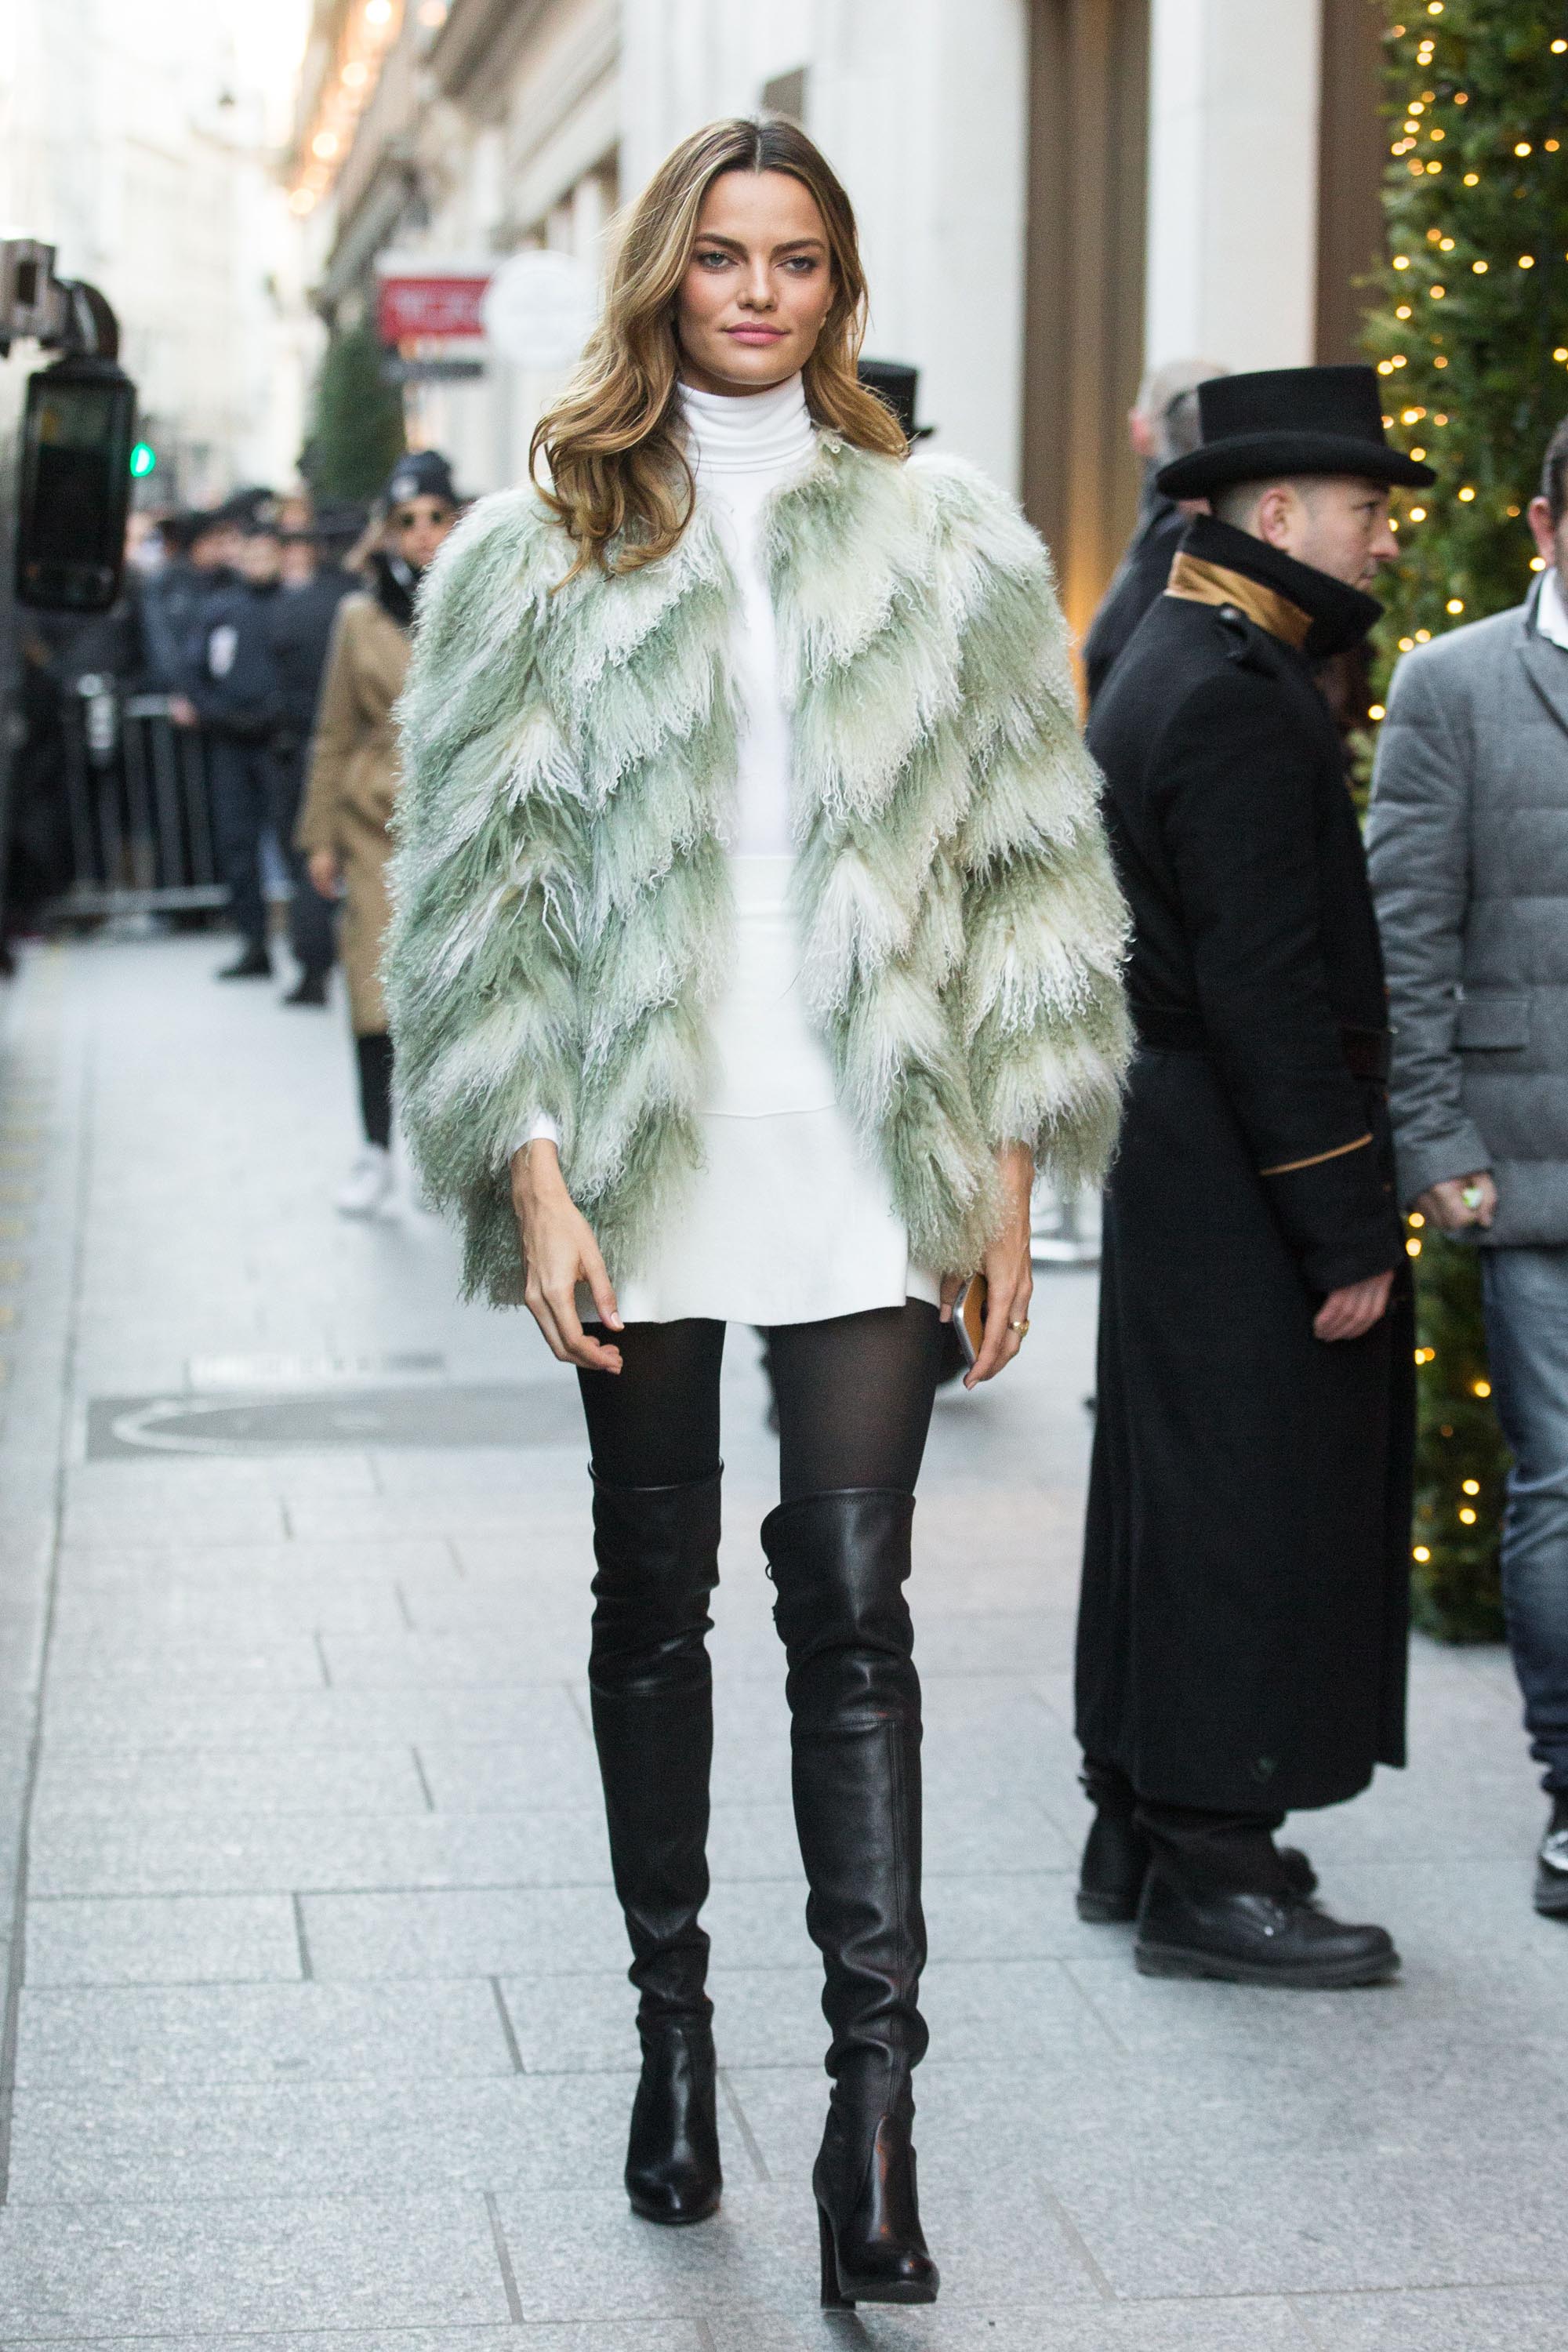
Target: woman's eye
{"x":712,"y":260}
{"x":803,"y":264}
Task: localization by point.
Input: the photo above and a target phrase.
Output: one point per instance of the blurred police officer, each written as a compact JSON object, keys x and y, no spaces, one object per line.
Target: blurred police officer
{"x":233,"y":692}
{"x":312,"y":585}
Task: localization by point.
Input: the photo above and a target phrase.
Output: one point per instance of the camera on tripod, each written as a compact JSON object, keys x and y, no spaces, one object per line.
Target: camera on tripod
{"x":77,"y":431}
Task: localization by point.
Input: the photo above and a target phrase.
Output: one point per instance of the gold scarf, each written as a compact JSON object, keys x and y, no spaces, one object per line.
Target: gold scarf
{"x":1202,"y":582}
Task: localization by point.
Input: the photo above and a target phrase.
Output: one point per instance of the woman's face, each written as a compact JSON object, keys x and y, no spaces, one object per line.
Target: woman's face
{"x":758,"y":286}
{"x":417,"y":527}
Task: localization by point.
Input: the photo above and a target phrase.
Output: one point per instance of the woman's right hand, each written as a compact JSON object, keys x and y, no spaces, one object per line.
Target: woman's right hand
{"x":558,"y":1252}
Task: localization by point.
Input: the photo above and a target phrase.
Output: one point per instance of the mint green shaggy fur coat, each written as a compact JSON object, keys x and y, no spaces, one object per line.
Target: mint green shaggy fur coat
{"x":561,"y":910}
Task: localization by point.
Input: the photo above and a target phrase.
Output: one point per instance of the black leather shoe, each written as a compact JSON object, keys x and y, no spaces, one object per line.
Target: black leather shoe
{"x":1116,"y":1863}
{"x":867,"y":2212}
{"x":1262,"y":1939}
{"x":839,"y":1561}
{"x":1551,"y":1864}
{"x":311,"y":988}
{"x":673,"y":2174}
{"x":254,"y":963}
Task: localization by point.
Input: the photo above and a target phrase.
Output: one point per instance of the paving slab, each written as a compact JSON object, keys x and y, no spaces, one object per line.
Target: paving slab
{"x":115,"y":2273}
{"x":191,"y":2036}
{"x":162,"y":1939}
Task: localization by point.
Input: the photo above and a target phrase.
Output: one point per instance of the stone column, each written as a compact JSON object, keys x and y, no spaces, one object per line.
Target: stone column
{"x":1232,"y":181}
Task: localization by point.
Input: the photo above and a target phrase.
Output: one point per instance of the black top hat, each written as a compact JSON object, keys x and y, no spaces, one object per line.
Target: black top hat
{"x":421,"y":474}
{"x":1310,"y":420}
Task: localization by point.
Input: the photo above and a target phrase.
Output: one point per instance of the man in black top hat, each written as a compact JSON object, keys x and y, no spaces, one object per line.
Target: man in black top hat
{"x":1242,"y":1629}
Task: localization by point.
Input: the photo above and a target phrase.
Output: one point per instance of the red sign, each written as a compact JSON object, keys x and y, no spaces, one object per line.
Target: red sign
{"x":407,"y":308}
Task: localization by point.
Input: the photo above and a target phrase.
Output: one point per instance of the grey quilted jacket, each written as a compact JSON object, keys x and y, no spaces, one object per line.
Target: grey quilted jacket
{"x":1468,"y":846}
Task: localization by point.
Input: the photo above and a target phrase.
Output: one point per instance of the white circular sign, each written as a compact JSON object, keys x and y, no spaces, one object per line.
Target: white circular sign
{"x":538,"y":308}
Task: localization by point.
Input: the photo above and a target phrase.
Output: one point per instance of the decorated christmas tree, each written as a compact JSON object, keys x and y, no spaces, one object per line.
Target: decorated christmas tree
{"x":1470,"y":336}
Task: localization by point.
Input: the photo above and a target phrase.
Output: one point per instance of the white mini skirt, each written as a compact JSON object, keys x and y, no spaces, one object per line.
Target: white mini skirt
{"x":789,"y":1218}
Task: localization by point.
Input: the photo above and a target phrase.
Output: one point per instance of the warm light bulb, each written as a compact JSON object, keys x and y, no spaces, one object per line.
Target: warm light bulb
{"x":1412,"y":1249}
{"x":1407,"y":645}
{"x":1377,"y":710}
{"x":1468,"y":1517}
{"x":1454,"y":604}
{"x":1416,"y":1218}
{"x":324,"y":144}
{"x":1403,"y":311}
{"x":1472,"y":179}
{"x":1438,"y":292}
{"x":1423,"y":636}
{"x":1527,"y":260}
{"x":1472,"y":1486}
{"x":1466,"y":495}
{"x":1418,"y":514}
{"x":1538,"y":563}
{"x":1418,"y":454}
{"x":1481,"y":1388}
{"x":1479,"y":268}
{"x":1521,"y":147}
{"x":1402,"y":261}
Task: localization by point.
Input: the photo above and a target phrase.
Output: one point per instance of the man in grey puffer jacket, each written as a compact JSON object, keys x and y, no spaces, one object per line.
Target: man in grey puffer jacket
{"x":1468,"y":846}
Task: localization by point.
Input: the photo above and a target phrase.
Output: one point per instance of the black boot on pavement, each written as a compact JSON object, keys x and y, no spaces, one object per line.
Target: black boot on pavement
{"x":1116,"y":1853}
{"x":311,"y":988}
{"x":1551,"y":1863}
{"x":1219,"y":1902}
{"x":657,"y":1554}
{"x":253,"y":963}
{"x":839,"y":1561}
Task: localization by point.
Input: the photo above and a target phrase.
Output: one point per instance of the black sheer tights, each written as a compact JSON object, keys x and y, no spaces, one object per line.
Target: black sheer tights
{"x":854,"y":1397}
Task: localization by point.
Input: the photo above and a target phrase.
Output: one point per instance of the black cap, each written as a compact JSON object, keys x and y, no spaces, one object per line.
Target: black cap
{"x":422,"y":474}
{"x":1311,"y":420}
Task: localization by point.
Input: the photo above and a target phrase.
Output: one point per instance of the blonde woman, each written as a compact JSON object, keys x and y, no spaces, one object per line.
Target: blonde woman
{"x":754,"y":933}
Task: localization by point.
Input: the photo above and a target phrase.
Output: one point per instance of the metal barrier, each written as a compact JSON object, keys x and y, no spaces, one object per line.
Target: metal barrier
{"x":139,"y":804}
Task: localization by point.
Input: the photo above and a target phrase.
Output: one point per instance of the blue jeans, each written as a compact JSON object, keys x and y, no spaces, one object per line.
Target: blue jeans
{"x":1526,"y":1293}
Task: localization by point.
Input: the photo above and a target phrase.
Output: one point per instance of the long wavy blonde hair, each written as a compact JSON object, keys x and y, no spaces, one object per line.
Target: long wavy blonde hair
{"x":618,"y":478}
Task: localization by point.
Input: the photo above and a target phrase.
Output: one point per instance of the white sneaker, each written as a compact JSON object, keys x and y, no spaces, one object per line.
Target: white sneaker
{"x":368,"y":1186}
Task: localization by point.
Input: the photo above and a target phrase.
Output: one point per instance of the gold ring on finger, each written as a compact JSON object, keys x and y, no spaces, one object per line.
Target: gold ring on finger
{"x":1022,"y":1329}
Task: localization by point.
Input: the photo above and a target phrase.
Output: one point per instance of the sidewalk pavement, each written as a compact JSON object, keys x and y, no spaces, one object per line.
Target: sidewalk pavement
{"x":318,"y":2024}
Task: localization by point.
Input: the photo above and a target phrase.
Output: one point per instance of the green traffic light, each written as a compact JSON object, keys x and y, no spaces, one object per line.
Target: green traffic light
{"x":143,"y":457}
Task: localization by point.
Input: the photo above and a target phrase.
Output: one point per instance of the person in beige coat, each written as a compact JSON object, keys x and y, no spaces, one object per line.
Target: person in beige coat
{"x":354,"y":783}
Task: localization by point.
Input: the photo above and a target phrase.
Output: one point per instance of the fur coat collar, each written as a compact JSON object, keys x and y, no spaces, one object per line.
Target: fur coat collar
{"x":562,"y":908}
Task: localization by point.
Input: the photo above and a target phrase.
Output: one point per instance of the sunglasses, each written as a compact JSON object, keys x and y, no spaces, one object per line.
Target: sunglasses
{"x":409,"y":518}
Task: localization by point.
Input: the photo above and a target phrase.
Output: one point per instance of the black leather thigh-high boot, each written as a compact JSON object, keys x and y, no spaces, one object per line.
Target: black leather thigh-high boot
{"x":839,"y":1561}
{"x":657,"y":1554}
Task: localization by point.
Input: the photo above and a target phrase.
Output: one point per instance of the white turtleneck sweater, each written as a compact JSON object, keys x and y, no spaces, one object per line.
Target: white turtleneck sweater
{"x":741,"y":450}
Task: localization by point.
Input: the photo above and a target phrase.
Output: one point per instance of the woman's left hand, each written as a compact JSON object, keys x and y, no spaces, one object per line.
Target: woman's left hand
{"x":1008,"y":1270}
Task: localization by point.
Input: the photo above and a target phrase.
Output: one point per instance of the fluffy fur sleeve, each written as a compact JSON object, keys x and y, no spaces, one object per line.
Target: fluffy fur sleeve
{"x":487,"y":879}
{"x":1044,"y":928}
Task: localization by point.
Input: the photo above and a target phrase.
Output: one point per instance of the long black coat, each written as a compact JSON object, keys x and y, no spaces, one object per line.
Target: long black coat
{"x":1243,"y":1627}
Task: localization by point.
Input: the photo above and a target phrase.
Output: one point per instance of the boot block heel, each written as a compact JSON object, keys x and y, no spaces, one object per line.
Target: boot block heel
{"x":832,"y":2300}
